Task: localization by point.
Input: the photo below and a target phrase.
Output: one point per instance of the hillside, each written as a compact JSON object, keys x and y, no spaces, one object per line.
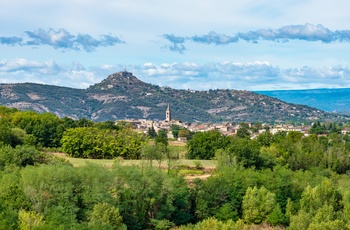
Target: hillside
{"x":122,"y":96}
{"x":331,"y":100}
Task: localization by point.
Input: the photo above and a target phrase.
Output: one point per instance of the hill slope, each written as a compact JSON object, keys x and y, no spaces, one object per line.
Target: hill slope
{"x":123,"y":96}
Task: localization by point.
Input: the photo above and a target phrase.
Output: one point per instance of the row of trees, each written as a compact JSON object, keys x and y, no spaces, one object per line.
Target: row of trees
{"x":78,"y":138}
{"x":267,"y":150}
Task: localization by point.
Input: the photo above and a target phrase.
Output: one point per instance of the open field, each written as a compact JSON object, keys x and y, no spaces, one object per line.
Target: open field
{"x":208,"y":164}
{"x":180,"y":146}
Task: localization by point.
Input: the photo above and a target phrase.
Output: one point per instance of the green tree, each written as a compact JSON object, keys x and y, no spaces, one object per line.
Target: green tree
{"x":175,"y":129}
{"x":153,"y":152}
{"x":276,"y":217}
{"x":314,"y":198}
{"x":185,"y":133}
{"x":204,"y":144}
{"x":129,"y":143}
{"x":20,"y":156}
{"x":82,"y":142}
{"x":89,"y":142}
{"x":258,"y":204}
{"x":107,"y":125}
{"x":5,"y":132}
{"x":147,"y":193}
{"x":246,"y":152}
{"x":243,"y":131}
{"x":49,"y":186}
{"x":30,"y":220}
{"x":151,"y":132}
{"x":162,"y":137}
{"x":46,"y":127}
{"x":96,"y":181}
{"x":12,"y":197}
{"x":105,"y":215}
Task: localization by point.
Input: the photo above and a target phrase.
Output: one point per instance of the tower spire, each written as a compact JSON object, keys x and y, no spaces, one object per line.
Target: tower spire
{"x":168,"y":114}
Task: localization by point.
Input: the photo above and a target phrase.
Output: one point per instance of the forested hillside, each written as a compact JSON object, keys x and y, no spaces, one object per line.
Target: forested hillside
{"x":270,"y":182}
{"x":122,"y":96}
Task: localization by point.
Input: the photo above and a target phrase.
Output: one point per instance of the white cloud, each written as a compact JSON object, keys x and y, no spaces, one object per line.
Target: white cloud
{"x":258,"y":75}
{"x":61,"y":39}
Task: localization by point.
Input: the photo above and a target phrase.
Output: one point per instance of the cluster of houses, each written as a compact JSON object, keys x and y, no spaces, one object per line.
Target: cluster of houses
{"x":226,"y":128}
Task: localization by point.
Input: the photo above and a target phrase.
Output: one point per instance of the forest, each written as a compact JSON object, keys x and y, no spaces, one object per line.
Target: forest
{"x":281,"y":181}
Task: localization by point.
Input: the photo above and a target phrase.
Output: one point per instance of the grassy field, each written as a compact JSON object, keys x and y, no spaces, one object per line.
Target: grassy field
{"x":179,"y":146}
{"x":108,"y":163}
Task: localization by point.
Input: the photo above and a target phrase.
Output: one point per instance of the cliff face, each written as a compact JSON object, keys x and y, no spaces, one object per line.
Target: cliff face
{"x":122,"y":95}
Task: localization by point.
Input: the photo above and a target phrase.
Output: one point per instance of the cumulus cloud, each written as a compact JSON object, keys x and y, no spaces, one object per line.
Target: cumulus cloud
{"x":307,"y":32}
{"x":186,"y":75}
{"x":21,"y":70}
{"x":246,"y":76}
{"x":62,"y":39}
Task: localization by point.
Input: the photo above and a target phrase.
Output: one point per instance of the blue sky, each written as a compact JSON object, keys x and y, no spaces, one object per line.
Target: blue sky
{"x":221,"y":44}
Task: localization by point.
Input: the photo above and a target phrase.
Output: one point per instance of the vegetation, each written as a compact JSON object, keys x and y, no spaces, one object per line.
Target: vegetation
{"x":270,"y":182}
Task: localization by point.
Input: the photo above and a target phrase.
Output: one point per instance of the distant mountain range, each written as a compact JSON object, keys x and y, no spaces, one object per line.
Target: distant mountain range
{"x":330,"y":100}
{"x":123,"y":96}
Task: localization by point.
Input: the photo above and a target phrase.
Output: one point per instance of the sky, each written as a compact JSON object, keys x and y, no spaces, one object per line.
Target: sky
{"x":207,"y":44}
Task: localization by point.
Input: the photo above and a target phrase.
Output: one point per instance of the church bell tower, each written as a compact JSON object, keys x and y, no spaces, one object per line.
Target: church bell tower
{"x":168,"y":114}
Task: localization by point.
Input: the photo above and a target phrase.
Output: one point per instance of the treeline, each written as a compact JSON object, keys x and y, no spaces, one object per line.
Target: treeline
{"x":291,"y":149}
{"x":78,"y":138}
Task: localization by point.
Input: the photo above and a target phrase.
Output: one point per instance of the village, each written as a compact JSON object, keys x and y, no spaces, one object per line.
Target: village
{"x":226,"y":128}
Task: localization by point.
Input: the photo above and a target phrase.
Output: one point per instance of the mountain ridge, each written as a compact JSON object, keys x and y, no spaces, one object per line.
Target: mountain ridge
{"x":123,"y":96}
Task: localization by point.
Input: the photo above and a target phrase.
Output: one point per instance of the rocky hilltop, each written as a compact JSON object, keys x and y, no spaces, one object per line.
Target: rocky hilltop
{"x":123,"y":96}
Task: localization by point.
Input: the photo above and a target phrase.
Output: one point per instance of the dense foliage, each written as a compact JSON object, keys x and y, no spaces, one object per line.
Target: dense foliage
{"x":274,"y":181}
{"x":267,"y":150}
{"x":90,"y":142}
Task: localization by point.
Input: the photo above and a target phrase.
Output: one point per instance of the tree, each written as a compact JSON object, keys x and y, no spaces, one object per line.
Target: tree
{"x":105,"y":215}
{"x":49,"y":186}
{"x":107,"y":125}
{"x":257,"y":204}
{"x":89,"y":142}
{"x":96,"y":181}
{"x":246,"y":152}
{"x":30,"y":220}
{"x":243,"y":131}
{"x":147,"y":193}
{"x":152,"y":152}
{"x":20,"y":137}
{"x":46,"y":127}
{"x":276,"y":217}
{"x":175,"y":129}
{"x":5,"y":132}
{"x":20,"y":156}
{"x":265,"y":139}
{"x":151,"y":132}
{"x":204,"y":144}
{"x":12,"y":197}
{"x":185,"y":133}
{"x":162,"y":137}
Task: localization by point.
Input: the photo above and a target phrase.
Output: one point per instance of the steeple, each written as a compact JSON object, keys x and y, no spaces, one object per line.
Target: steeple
{"x":168,"y":114}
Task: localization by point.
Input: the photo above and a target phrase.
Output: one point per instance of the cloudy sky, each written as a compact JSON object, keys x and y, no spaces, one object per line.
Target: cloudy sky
{"x":207,"y":44}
